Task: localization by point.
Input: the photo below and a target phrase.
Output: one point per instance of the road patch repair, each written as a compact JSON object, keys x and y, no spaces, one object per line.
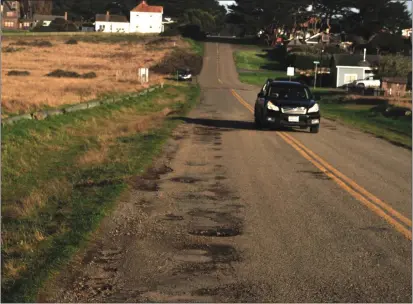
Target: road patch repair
{"x":177,"y":235}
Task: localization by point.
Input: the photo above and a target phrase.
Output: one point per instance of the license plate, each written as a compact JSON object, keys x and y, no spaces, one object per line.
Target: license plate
{"x":293,"y":118}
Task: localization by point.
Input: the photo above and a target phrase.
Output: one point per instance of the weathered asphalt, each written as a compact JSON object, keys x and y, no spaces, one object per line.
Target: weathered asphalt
{"x":246,"y":217}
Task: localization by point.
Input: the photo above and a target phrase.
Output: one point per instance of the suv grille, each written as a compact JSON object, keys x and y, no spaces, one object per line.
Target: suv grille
{"x":294,"y":110}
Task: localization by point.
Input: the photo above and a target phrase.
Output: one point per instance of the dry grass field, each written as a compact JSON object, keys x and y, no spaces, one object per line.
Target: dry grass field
{"x":114,"y":62}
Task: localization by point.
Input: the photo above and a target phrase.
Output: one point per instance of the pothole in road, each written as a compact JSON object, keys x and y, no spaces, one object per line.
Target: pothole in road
{"x":220,"y":253}
{"x":195,"y":164}
{"x":193,"y":256}
{"x":186,"y":179}
{"x":173,"y":217}
{"x":218,"y":157}
{"x":217,"y":143}
{"x":216,"y":232}
{"x":216,"y":149}
{"x":192,"y":196}
{"x":220,"y":177}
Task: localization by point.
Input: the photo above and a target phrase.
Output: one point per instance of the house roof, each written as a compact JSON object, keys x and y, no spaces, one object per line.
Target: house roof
{"x":355,"y":60}
{"x":112,"y":18}
{"x":143,"y":7}
{"x":46,"y":17}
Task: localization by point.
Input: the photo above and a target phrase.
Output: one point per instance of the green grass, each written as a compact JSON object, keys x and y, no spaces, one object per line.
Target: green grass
{"x":257,"y":60}
{"x":40,"y":164}
{"x":197,"y":46}
{"x":370,"y":119}
{"x":251,"y":59}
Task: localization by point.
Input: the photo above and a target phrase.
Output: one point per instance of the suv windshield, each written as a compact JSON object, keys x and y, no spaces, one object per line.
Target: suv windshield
{"x":289,"y":92}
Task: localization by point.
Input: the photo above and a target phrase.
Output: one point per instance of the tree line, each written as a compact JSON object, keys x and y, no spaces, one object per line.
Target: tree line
{"x":361,"y":17}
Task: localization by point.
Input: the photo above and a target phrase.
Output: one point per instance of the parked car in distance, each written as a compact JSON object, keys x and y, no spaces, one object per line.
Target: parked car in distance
{"x":286,"y":104}
{"x":184,"y":75}
{"x":368,"y":82}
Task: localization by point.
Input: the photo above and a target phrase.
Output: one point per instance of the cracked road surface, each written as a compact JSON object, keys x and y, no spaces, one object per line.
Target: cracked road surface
{"x":232,"y":214}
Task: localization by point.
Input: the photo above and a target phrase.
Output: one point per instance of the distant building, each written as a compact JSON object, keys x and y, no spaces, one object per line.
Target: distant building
{"x":45,"y":20}
{"x":395,"y":86}
{"x":144,"y":18}
{"x":346,"y":68}
{"x":23,"y":14}
{"x":111,"y":23}
{"x":11,"y":15}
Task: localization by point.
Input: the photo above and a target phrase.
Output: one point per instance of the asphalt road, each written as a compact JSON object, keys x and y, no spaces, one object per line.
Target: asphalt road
{"x":241,"y":215}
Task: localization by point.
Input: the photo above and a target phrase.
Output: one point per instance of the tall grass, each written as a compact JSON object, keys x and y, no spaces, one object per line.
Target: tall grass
{"x":60,"y":176}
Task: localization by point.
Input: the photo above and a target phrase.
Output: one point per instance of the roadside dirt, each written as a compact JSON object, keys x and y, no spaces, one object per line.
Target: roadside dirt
{"x":171,"y":236}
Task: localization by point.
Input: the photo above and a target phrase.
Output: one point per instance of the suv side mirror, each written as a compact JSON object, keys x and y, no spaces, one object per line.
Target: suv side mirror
{"x":260,"y":95}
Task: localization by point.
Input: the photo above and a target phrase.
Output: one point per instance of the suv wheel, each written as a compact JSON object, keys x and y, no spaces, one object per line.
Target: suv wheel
{"x":314,"y":129}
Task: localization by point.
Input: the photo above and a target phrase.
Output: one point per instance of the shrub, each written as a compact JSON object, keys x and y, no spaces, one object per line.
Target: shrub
{"x":18,"y":73}
{"x":10,"y":49}
{"x":69,"y":74}
{"x":192,"y":31}
{"x":37,"y":43}
{"x":89,"y":75}
{"x":158,"y":41}
{"x":57,"y":25}
{"x":395,"y":66}
{"x":71,"y":41}
{"x":179,"y":59}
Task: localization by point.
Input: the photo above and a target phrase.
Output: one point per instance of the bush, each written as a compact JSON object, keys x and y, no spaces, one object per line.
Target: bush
{"x":192,"y":31}
{"x":57,"y":25}
{"x":395,"y":66}
{"x":179,"y":59}
{"x":10,"y":49}
{"x":71,"y":41}
{"x":38,"y":43}
{"x":159,"y":41}
{"x":18,"y":73}
{"x":70,"y":74}
{"x":89,"y":75}
{"x":171,"y":32}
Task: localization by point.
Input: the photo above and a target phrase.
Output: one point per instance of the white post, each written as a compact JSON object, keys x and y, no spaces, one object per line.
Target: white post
{"x":364,"y":57}
{"x":315,"y":75}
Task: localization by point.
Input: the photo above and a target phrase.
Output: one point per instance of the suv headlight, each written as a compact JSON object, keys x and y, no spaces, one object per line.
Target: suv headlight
{"x":315,"y":108}
{"x":271,"y":106}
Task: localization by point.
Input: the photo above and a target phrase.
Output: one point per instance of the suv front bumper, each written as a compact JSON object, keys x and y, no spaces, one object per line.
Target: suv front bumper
{"x":283,"y":120}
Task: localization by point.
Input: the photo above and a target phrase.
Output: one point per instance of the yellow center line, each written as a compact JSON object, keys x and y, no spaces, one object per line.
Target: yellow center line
{"x":358,"y":192}
{"x":353,"y":184}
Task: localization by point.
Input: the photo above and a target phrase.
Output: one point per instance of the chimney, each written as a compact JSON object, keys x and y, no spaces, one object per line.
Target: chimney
{"x":66,"y":16}
{"x":107,"y":15}
{"x":364,"y":57}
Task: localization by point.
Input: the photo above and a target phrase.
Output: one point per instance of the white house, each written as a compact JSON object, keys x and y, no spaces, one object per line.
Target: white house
{"x":146,"y":19}
{"x":111,"y":23}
